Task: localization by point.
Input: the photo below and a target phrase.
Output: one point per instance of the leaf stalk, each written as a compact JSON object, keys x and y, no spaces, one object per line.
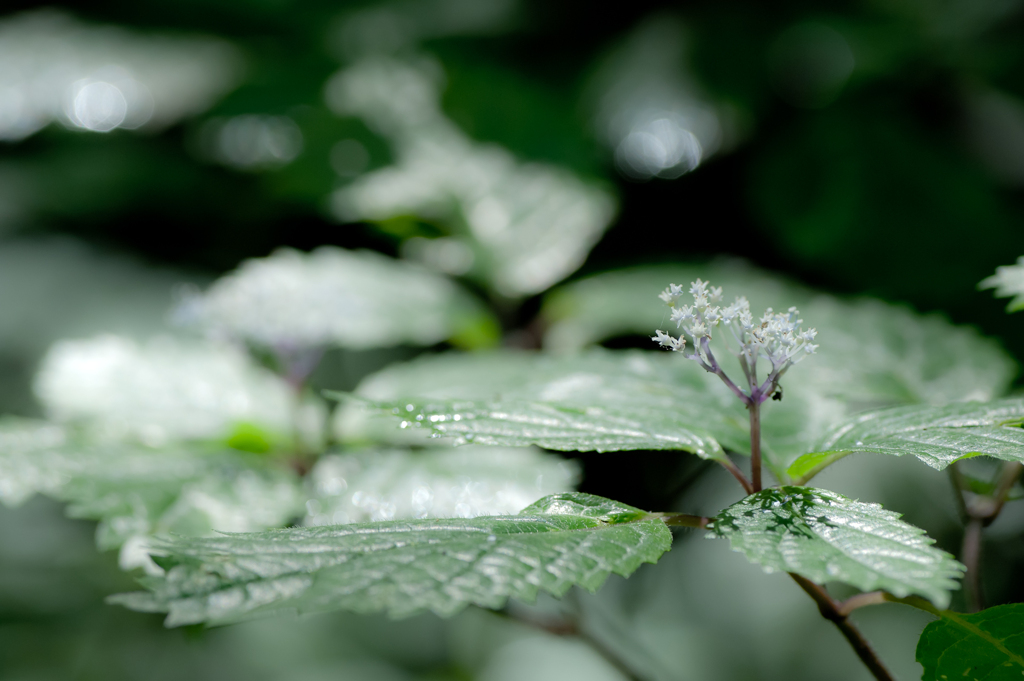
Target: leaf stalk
{"x":832,"y":610}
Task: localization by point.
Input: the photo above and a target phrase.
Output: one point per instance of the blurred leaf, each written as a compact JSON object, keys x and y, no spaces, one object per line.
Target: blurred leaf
{"x":983,"y":645}
{"x":599,"y":401}
{"x":396,"y":484}
{"x":825,"y":537}
{"x":937,"y":435}
{"x":334,"y":297}
{"x":1008,"y":281}
{"x":871,"y":354}
{"x":404,"y":567}
{"x":498,"y":212}
{"x":135,"y":491}
{"x":162,"y":391}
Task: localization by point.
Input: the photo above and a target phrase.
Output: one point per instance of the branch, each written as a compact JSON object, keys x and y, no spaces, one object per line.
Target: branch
{"x":683,"y":520}
{"x":715,"y":369}
{"x":754,"y":407}
{"x":970,"y":556}
{"x":979,"y":514}
{"x":832,"y":611}
{"x":738,"y":474}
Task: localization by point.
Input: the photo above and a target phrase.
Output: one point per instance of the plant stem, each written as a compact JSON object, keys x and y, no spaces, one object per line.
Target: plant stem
{"x":683,"y":520}
{"x":970,"y":556}
{"x":755,"y":445}
{"x":1009,"y":475}
{"x":979,"y":514}
{"x":738,"y":474}
{"x":831,"y":610}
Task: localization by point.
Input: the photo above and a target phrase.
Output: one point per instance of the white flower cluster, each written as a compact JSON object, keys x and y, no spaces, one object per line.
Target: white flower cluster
{"x":777,"y":336}
{"x":1008,"y":281}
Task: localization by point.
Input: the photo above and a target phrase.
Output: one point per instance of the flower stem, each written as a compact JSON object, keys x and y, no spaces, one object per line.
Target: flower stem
{"x":738,"y":474}
{"x":832,"y":611}
{"x":754,"y":406}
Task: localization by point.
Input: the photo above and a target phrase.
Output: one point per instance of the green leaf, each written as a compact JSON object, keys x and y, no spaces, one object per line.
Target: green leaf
{"x":937,"y":435}
{"x":870,"y":354}
{"x":160,"y":391}
{"x":335,"y":297}
{"x":404,"y":567}
{"x":824,"y":537}
{"x":985,"y":645}
{"x":135,"y":491}
{"x":1008,"y":281}
{"x":598,"y":401}
{"x":496,"y":211}
{"x":396,"y":484}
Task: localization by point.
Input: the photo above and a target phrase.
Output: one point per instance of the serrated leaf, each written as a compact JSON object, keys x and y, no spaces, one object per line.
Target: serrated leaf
{"x":937,"y":435}
{"x":135,"y":491}
{"x":1008,"y":281}
{"x":396,"y":484}
{"x":985,"y":645}
{"x":497,"y":211}
{"x":870,"y":354}
{"x":404,"y":567}
{"x":825,"y":537}
{"x":335,"y":297}
{"x":160,"y":391}
{"x":598,"y":401}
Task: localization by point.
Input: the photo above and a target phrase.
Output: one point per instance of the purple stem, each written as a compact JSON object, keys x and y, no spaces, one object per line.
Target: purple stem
{"x":717,"y":370}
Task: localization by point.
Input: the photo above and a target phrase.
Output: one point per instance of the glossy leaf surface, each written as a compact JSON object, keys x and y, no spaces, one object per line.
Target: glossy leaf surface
{"x":937,"y":435}
{"x":135,"y":491}
{"x":870,"y":354}
{"x":334,"y":297}
{"x":463,"y":482}
{"x":404,"y":567}
{"x":985,"y":645}
{"x":826,"y":537}
{"x":598,"y":401}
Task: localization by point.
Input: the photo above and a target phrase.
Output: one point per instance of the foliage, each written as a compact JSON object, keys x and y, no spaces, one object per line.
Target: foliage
{"x":423,"y":176}
{"x":404,"y":567}
{"x":985,"y":645}
{"x":826,"y":537}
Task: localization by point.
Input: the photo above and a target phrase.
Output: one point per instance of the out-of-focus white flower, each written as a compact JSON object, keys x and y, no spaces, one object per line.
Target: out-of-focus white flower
{"x":1008,"y":281}
{"x":160,"y":391}
{"x":778,"y":337}
{"x":292,"y":301}
{"x":434,"y":483}
{"x":526,"y":225}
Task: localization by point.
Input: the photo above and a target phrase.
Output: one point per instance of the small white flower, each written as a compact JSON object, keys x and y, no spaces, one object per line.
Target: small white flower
{"x":671,"y":294}
{"x":667,"y":341}
{"x":776,"y":337}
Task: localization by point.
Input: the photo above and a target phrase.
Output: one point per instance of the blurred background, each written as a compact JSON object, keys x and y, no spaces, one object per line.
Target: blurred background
{"x":867,"y":148}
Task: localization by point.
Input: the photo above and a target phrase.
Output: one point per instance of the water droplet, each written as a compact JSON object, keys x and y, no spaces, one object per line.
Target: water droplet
{"x":457,"y":417}
{"x":492,"y":538}
{"x":409,"y":407}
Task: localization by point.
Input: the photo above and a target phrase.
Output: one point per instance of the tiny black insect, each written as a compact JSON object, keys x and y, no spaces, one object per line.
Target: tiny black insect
{"x":778,"y":394}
